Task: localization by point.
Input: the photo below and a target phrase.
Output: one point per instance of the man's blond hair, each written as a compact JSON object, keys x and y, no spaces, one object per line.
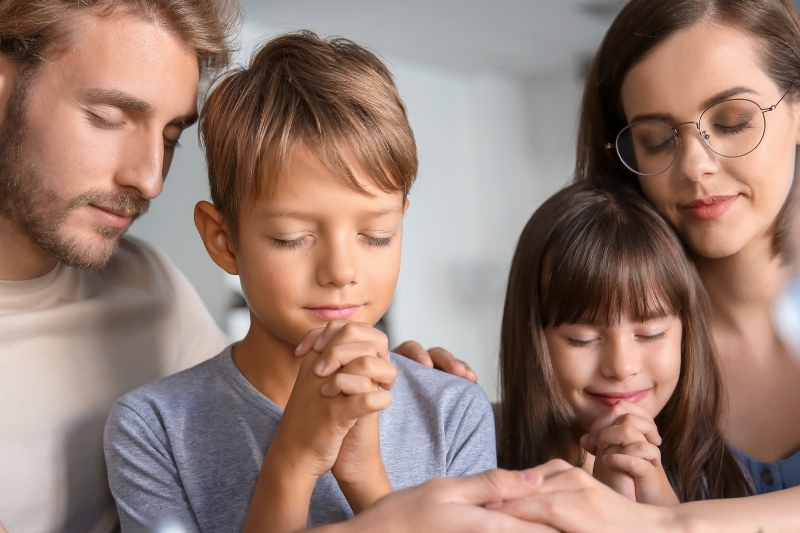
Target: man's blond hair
{"x":30,"y":29}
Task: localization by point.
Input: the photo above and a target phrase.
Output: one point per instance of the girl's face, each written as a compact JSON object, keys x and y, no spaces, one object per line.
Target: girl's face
{"x":719,"y":206}
{"x":597,"y":366}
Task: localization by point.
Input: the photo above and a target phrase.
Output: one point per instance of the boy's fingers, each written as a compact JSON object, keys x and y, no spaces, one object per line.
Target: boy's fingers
{"x":612,"y":415}
{"x":414,"y":351}
{"x":347,"y":384}
{"x":359,"y":405}
{"x":341,"y":331}
{"x":378,"y":370}
{"x":308,"y":341}
{"x":341,"y":355}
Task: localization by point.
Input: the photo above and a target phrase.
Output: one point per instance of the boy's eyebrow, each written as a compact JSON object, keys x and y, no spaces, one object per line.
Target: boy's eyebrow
{"x":290,"y":213}
{"x":122,"y":99}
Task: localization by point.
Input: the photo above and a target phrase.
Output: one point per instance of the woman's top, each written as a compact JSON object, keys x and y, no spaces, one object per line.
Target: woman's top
{"x":769,"y":477}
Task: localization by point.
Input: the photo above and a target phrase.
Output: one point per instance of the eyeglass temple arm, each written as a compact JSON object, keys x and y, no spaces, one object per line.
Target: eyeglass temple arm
{"x":772,"y":107}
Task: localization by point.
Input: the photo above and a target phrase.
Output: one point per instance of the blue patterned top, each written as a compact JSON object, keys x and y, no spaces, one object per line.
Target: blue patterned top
{"x":769,"y":477}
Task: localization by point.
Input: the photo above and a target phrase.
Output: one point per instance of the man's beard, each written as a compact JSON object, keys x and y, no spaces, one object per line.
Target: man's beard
{"x":38,"y":210}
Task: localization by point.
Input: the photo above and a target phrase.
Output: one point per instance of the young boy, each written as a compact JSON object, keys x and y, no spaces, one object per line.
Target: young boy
{"x":310,"y":158}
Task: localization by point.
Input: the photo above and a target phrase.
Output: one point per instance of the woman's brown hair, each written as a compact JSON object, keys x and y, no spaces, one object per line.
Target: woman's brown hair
{"x":599,"y":255}
{"x":644,"y":24}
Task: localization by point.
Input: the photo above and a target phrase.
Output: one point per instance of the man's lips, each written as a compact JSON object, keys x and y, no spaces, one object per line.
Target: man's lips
{"x":113,"y":218}
{"x":335,"y":312}
{"x":710,"y":207}
{"x":611,"y":398}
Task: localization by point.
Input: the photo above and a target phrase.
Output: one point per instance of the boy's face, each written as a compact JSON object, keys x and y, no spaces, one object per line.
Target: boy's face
{"x":318,"y":250}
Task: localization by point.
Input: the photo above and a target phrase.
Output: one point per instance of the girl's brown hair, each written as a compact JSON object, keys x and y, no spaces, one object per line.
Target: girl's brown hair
{"x":599,"y":255}
{"x":644,"y":24}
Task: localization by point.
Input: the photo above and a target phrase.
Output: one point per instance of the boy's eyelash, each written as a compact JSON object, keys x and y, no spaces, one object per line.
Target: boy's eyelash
{"x":289,"y":245}
{"x":380,"y":242}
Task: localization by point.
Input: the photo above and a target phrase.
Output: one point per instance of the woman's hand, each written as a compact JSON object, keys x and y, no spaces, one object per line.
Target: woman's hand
{"x":572,"y":501}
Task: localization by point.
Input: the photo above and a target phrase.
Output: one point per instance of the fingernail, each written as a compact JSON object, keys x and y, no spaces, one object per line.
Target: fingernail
{"x":319,"y":367}
{"x":325,"y":388}
{"x":531,"y":477}
{"x":493,"y":505}
{"x":299,"y":348}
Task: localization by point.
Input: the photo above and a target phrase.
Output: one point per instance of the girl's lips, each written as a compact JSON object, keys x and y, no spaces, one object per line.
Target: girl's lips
{"x":709,"y":208}
{"x":612,"y":398}
{"x":335,"y":312}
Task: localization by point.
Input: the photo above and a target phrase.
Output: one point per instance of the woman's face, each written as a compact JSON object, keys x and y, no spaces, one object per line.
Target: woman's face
{"x":719,"y":206}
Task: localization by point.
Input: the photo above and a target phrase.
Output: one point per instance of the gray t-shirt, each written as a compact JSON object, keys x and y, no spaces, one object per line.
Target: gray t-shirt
{"x":188,"y":448}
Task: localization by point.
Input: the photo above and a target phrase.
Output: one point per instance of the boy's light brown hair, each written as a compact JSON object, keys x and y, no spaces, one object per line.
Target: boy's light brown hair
{"x":31,"y":29}
{"x":332,"y":96}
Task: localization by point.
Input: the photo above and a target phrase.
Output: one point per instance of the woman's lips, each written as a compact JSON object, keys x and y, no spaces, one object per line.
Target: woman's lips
{"x":611,"y":398}
{"x":709,"y":208}
{"x":335,"y":312}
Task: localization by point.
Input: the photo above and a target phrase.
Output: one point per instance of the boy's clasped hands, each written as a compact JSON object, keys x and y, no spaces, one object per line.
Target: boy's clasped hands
{"x":331,"y":419}
{"x":624,"y":440}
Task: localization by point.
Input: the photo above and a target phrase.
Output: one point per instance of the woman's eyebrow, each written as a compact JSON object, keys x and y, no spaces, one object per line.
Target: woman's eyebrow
{"x":717,"y":98}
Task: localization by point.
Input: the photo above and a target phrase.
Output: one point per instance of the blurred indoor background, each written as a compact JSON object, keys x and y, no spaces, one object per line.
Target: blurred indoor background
{"x":492,"y":89}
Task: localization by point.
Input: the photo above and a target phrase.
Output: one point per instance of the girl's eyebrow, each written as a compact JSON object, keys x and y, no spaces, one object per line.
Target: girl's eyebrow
{"x":717,"y":98}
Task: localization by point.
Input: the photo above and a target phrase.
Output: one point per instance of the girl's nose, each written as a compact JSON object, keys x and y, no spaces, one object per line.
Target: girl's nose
{"x":620,"y":360}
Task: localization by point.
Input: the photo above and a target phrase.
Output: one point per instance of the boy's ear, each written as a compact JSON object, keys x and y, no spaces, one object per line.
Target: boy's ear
{"x":216,"y":237}
{"x":405,"y":206}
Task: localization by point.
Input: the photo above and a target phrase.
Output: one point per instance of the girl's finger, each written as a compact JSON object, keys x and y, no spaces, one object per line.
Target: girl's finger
{"x":636,"y":467}
{"x":626,"y":434}
{"x":340,"y":355}
{"x":610,"y":416}
{"x":348,"y":384}
{"x":378,"y":370}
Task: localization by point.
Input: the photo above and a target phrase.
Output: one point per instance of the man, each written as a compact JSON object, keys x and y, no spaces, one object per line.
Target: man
{"x":93,"y":98}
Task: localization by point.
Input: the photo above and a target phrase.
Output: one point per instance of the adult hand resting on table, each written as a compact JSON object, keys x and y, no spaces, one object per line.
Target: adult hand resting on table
{"x":450,"y":505}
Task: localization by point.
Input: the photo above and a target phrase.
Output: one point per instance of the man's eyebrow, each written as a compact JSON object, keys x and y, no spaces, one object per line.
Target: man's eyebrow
{"x":122,"y":99}
{"x":717,"y":98}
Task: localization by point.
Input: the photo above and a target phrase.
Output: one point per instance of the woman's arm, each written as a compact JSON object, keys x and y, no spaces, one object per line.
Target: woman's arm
{"x":571,"y":501}
{"x":449,"y":505}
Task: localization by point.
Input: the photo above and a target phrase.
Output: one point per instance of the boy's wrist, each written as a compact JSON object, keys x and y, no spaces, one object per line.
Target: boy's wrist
{"x":363,"y":493}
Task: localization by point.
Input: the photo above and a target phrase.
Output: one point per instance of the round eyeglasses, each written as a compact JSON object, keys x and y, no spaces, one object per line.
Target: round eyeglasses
{"x":730,"y":128}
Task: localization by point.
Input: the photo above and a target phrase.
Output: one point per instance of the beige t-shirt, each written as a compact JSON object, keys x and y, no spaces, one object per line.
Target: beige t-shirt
{"x":72,"y":342}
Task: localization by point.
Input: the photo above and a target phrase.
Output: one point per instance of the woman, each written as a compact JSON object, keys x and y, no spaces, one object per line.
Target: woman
{"x":697,"y":103}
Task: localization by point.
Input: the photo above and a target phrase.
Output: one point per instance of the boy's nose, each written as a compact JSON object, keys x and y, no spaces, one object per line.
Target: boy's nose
{"x":620,"y":360}
{"x":338,"y":266}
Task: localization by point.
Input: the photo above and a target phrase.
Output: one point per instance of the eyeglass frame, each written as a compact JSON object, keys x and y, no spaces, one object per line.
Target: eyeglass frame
{"x":703,"y":136}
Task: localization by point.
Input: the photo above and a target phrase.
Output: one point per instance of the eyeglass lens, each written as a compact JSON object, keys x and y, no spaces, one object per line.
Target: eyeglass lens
{"x":731,"y":128}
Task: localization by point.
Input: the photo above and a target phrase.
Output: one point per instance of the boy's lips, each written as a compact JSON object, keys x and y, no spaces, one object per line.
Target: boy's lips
{"x":710,"y":207}
{"x":335,"y":312}
{"x":611,"y":398}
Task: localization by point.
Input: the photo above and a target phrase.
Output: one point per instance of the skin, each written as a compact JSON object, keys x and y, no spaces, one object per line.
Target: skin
{"x":96,"y":152}
{"x":314,"y":251}
{"x":617,"y":378}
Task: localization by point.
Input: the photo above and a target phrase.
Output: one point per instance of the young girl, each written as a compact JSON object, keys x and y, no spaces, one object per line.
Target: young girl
{"x":604,"y":329}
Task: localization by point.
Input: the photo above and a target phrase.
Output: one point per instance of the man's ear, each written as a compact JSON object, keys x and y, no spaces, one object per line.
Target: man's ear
{"x":8,"y":75}
{"x":216,"y":236}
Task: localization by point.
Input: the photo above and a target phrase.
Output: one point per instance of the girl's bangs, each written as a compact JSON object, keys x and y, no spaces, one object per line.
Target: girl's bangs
{"x":608,"y":270}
